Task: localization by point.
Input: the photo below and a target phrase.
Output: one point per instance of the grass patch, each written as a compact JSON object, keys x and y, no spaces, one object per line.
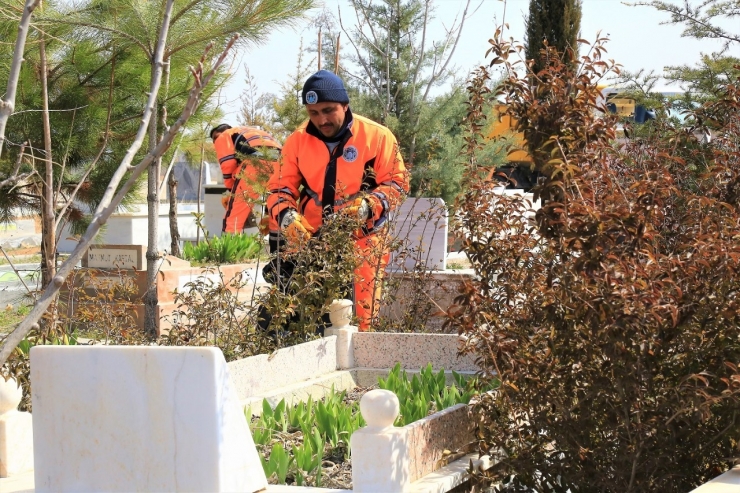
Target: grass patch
{"x":224,"y":249}
{"x":24,"y":259}
{"x":10,"y":317}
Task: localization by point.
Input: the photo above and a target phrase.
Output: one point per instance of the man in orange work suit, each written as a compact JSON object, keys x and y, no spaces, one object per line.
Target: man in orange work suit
{"x":240,"y":174}
{"x":346,"y":164}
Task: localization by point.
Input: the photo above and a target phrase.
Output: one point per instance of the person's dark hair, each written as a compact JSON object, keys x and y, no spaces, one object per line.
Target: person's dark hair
{"x":221,"y":128}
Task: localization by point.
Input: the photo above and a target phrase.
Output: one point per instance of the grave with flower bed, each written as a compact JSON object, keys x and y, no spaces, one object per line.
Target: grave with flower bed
{"x":162,"y":418}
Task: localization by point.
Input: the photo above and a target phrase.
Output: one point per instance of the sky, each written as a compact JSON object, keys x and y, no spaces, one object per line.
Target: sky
{"x":637,"y":41}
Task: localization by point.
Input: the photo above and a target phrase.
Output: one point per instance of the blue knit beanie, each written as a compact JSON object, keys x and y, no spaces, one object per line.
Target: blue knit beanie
{"x":324,"y":86}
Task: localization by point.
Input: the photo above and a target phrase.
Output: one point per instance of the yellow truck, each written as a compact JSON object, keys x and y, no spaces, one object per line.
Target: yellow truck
{"x":519,"y":162}
{"x":623,"y":105}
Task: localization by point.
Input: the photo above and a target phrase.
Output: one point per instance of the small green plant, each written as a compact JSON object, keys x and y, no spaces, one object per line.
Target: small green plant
{"x":416,"y":396}
{"x":278,"y":463}
{"x":337,"y":420}
{"x":308,"y":457}
{"x":299,"y":416}
{"x":262,"y":429}
{"x":224,"y":249}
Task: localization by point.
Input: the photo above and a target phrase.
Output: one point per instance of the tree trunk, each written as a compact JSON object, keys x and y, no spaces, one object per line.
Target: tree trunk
{"x":48,"y":223}
{"x":174,"y":230}
{"x":152,"y":252}
{"x":200,"y":189}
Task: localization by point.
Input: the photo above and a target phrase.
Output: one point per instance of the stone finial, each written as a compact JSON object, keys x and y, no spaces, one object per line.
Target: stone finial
{"x":380,"y":451}
{"x":340,"y":313}
{"x":11,"y":394}
{"x":380,"y":408}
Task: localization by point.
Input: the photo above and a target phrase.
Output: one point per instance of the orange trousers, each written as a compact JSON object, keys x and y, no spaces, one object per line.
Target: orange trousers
{"x":374,"y":255}
{"x":238,"y":207}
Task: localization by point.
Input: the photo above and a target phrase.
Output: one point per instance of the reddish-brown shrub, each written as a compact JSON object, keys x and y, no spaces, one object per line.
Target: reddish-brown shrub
{"x":612,"y":318}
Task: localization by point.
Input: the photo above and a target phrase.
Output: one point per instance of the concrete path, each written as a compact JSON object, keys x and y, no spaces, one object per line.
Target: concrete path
{"x":12,"y":289}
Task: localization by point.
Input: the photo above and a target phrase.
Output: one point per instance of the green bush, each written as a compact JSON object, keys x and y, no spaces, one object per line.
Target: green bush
{"x":224,"y":249}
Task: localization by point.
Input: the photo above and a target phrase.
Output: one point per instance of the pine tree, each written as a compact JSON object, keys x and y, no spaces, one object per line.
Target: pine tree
{"x":395,"y":65}
{"x":557,"y":22}
{"x":194,"y":25}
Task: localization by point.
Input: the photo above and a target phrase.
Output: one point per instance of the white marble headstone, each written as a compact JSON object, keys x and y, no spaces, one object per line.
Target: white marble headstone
{"x":139,"y":419}
{"x":420,"y":225}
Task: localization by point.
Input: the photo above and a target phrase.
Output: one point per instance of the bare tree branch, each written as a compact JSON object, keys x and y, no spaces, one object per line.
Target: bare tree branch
{"x":171,"y":165}
{"x":369,"y":81}
{"x":362,"y":23}
{"x":459,"y":29}
{"x":8,"y":103}
{"x":48,"y":220}
{"x":420,"y":60}
{"x":14,"y":176}
{"x":437,"y":74}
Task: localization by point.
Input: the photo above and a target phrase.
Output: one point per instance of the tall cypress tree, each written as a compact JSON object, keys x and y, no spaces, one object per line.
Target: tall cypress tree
{"x":558,"y":22}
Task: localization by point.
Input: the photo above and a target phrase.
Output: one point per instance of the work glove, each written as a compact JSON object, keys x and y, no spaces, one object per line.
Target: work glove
{"x":376,"y":207}
{"x":363,"y":208}
{"x":357,"y":208}
{"x":225,"y":199}
{"x":295,"y":227}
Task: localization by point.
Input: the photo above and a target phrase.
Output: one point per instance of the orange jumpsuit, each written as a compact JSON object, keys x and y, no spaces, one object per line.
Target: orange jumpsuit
{"x":241,"y":175}
{"x":365,"y":161}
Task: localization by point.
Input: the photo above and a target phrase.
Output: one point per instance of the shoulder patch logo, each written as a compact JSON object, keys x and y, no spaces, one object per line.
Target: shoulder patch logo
{"x":311,"y":97}
{"x":350,"y":154}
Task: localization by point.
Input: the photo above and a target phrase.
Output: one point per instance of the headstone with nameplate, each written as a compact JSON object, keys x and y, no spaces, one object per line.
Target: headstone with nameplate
{"x":115,"y":257}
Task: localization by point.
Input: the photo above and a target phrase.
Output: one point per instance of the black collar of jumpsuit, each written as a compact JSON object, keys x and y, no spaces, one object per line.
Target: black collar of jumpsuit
{"x":346,"y":127}
{"x":330,"y":175}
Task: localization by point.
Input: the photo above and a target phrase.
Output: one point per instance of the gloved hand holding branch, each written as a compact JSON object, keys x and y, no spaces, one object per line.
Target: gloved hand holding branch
{"x":296,"y":228}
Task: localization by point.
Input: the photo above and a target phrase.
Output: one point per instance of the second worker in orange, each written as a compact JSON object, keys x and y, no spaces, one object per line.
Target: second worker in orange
{"x":234,"y":146}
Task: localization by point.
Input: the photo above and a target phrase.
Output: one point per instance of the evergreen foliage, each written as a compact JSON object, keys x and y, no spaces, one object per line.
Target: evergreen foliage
{"x":706,"y":80}
{"x":100,"y":54}
{"x":556,"y":22}
{"x":705,"y":19}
